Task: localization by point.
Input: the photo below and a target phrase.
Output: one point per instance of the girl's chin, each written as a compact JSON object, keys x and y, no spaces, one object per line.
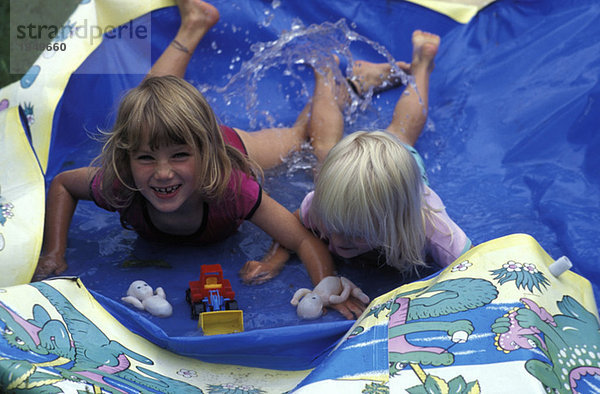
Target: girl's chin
{"x":347,"y":254}
{"x":164,"y":205}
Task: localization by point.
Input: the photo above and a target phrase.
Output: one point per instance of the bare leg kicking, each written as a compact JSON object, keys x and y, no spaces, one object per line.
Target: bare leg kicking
{"x":410,"y":113}
{"x":197,"y":18}
{"x":326,"y":124}
{"x":268,"y":147}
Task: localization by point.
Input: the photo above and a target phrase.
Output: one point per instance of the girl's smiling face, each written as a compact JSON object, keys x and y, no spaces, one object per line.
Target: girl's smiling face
{"x":165,"y":176}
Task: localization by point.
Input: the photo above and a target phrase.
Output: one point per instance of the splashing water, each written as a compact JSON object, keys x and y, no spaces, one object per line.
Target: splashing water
{"x":312,"y":46}
{"x":293,"y":52}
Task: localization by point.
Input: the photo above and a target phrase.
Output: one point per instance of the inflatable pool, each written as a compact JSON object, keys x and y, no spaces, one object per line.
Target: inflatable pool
{"x":510,"y":145}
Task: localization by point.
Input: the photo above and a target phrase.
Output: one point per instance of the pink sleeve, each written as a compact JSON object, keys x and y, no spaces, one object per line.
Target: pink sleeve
{"x":304,"y":208}
{"x":249,"y":197}
{"x":445,"y":240}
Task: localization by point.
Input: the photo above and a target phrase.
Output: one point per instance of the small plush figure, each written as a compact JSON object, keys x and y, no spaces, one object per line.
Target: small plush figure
{"x":331,"y":290}
{"x":141,"y":296}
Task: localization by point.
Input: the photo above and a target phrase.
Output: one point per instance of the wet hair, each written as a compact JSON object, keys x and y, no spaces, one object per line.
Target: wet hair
{"x":163,"y":111}
{"x":370,"y":187}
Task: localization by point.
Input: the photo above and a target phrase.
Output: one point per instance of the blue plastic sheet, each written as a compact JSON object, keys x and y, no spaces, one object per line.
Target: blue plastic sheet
{"x":511,"y":146}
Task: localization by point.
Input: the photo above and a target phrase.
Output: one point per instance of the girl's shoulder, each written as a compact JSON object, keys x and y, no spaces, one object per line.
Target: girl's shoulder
{"x":304,"y":209}
{"x":432,"y":199}
{"x":242,"y":196}
{"x":106,"y":199}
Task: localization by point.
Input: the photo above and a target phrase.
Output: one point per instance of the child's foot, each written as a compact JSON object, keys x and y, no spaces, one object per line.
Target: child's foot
{"x":425,"y":47}
{"x":197,"y":18}
{"x":380,"y":76}
{"x":377,"y":77}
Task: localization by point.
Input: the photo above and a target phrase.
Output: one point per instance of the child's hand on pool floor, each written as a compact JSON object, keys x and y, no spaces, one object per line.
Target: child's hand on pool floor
{"x":258,"y":272}
{"x":49,"y":264}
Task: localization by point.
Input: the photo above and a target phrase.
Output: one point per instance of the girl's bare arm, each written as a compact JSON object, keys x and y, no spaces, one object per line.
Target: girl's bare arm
{"x":65,"y":190}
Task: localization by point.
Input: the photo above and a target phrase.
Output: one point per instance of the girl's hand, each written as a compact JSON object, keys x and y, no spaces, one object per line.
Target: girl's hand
{"x":258,"y":272}
{"x":49,"y":264}
{"x":351,"y":309}
{"x":286,"y":228}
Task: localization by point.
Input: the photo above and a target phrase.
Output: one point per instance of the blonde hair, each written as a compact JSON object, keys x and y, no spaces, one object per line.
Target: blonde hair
{"x":162,"y":111}
{"x":370,"y":187}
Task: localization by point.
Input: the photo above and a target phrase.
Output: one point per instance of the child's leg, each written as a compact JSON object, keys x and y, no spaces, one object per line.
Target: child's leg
{"x":268,"y":147}
{"x":326,"y":123}
{"x":410,"y":113}
{"x":320,"y":121}
{"x":197,"y":17}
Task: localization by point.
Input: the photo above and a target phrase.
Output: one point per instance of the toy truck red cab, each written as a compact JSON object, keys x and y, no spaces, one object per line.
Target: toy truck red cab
{"x":211,"y":293}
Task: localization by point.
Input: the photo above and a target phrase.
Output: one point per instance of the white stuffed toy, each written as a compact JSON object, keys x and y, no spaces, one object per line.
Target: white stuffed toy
{"x":331,"y":290}
{"x":141,"y":296}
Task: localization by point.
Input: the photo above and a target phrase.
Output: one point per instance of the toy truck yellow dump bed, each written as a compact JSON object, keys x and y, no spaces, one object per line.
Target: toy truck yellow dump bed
{"x":221,"y":322}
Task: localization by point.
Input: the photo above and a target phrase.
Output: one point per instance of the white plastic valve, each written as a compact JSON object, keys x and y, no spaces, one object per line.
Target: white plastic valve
{"x":560,"y":265}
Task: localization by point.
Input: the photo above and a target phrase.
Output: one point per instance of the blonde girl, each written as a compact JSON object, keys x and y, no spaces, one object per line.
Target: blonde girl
{"x":371,"y":202}
{"x":371,"y":194}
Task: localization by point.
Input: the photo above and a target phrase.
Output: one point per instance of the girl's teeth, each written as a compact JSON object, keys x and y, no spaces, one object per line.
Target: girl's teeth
{"x":166,"y":189}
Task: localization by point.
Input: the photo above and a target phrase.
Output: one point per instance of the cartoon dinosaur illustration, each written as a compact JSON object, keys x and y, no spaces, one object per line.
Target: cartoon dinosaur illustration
{"x":83,"y":352}
{"x":516,"y":337}
{"x":570,"y":340}
{"x":375,"y":388}
{"x":440,"y":299}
